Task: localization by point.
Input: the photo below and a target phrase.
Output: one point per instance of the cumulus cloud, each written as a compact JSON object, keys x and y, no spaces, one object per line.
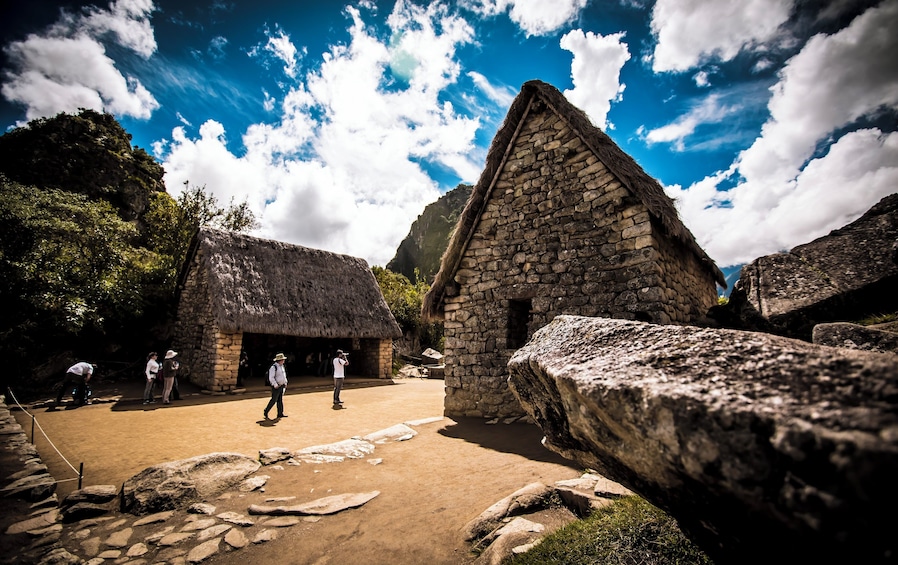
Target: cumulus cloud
{"x":341,"y":169}
{"x":534,"y":17}
{"x":787,"y":191}
{"x":595,"y":72}
{"x":690,"y":32}
{"x":67,"y":68}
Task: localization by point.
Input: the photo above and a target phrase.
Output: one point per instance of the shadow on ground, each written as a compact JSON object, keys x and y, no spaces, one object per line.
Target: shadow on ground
{"x":519,"y":438}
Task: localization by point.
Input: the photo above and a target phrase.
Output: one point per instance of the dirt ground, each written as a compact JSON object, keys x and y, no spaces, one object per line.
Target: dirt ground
{"x":430,"y":486}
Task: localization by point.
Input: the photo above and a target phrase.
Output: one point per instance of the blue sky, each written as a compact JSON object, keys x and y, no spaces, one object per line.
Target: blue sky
{"x":770,"y":122}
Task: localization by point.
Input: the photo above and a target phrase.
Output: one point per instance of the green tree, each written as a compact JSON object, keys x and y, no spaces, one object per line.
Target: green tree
{"x":404,"y":299}
{"x":68,"y":268}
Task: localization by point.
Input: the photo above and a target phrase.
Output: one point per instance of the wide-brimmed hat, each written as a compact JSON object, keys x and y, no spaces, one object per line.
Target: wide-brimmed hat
{"x":169,"y":354}
{"x":280,"y":357}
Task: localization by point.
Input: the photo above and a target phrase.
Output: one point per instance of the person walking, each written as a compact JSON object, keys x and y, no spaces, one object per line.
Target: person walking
{"x":78,"y":376}
{"x":151,"y":371}
{"x":169,"y":372}
{"x":340,"y":361}
{"x":277,"y":378}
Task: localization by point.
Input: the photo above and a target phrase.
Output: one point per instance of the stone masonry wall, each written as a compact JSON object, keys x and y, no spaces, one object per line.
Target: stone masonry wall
{"x":689,"y":289}
{"x":560,"y":235}
{"x":377,"y":358}
{"x":209,"y":357}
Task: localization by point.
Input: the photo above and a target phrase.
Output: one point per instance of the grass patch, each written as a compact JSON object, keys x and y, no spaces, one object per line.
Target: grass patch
{"x":879,"y":319}
{"x":629,"y":532}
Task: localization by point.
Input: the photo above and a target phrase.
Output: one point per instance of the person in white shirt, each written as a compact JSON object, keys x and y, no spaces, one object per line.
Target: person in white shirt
{"x":78,"y":375}
{"x":151,"y":371}
{"x":340,"y":361}
{"x":277,"y":379}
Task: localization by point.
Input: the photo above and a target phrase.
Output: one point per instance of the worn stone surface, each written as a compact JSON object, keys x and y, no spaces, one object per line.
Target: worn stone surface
{"x":763,"y":448}
{"x":169,"y":485}
{"x":274,"y":455}
{"x":95,"y":494}
{"x":855,"y":336}
{"x":203,"y":551}
{"x":399,"y":432}
{"x":534,"y":495}
{"x":846,"y":275}
{"x":83,"y":510}
{"x":36,"y":523}
{"x":321,"y":506}
{"x":351,"y":448}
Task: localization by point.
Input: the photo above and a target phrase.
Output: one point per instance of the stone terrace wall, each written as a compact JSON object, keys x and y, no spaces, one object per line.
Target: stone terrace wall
{"x":561,"y":232}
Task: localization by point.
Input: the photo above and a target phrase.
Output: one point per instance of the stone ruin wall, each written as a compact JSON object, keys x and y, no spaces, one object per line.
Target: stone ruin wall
{"x":561,"y":231}
{"x":689,"y":288}
{"x":376,"y":358}
{"x":209,"y":357}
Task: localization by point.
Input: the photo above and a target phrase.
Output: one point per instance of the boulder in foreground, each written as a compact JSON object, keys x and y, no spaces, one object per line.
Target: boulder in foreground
{"x":765,"y":449}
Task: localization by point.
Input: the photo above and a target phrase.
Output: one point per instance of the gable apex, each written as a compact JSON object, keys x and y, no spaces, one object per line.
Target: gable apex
{"x":620,"y":164}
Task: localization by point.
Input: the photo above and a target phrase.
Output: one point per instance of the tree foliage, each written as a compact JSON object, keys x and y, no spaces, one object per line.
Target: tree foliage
{"x":404,"y":299}
{"x":87,"y":153}
{"x":68,"y":268}
{"x":90,"y":244}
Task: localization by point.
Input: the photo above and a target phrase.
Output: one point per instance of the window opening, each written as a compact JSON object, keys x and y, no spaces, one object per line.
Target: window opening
{"x":519,"y":316}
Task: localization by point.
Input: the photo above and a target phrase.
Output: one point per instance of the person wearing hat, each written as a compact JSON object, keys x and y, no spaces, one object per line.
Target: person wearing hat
{"x":277,"y":379}
{"x":170,"y":368}
{"x":78,"y":375}
{"x":340,"y":361}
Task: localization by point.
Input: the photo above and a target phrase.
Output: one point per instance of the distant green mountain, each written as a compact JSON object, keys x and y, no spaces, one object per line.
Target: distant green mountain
{"x":429,"y":235}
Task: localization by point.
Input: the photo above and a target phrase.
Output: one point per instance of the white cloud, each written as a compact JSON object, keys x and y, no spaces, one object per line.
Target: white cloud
{"x":831,"y":82}
{"x":595,"y":72}
{"x":503,"y":97}
{"x":785,"y":195}
{"x":340,"y":169}
{"x":281,"y":48}
{"x":67,"y":68}
{"x":710,"y":110}
{"x":535,"y":17}
{"x":690,"y":32}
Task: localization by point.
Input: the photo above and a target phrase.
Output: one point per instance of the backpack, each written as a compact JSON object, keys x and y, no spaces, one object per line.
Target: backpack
{"x":267,"y":382}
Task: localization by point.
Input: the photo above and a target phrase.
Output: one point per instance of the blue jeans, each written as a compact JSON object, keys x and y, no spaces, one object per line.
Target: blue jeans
{"x":338,"y":386}
{"x":277,"y":397}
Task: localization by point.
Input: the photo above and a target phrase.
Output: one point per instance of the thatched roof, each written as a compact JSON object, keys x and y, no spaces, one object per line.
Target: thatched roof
{"x":627,"y":171}
{"x":272,"y":287}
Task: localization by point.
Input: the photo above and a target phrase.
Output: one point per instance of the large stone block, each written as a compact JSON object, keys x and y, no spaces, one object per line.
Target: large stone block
{"x":765,"y":449}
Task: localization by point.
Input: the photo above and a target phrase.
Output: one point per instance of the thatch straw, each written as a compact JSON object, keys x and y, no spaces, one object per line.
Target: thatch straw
{"x":271,"y":287}
{"x":621,"y":165}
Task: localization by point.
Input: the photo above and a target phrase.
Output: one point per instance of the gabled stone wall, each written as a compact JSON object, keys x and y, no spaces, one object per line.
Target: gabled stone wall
{"x":559,"y":235}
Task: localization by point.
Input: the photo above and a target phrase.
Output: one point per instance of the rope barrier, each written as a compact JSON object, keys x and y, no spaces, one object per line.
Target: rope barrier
{"x":35,"y":422}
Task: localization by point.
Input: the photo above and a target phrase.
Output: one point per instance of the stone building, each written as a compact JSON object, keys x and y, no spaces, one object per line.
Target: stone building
{"x":244,"y":294}
{"x":561,"y":221}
